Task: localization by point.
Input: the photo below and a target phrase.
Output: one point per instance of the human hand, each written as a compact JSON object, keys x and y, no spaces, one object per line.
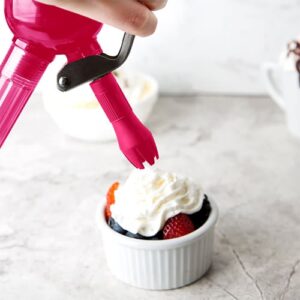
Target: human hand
{"x":133,"y":16}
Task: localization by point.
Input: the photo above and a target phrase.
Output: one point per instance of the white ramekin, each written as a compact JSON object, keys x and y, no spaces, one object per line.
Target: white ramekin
{"x":159,"y":264}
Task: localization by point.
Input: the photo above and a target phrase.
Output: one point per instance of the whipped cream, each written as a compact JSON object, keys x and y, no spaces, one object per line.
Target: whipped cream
{"x":149,"y":198}
{"x":133,"y":85}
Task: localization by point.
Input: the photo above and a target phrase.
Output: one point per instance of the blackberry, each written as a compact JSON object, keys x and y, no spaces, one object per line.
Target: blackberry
{"x":201,"y":216}
{"x":115,"y":226}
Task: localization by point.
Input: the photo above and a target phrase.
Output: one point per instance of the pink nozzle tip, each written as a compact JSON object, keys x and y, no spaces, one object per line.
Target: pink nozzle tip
{"x":135,"y":141}
{"x":134,"y":158}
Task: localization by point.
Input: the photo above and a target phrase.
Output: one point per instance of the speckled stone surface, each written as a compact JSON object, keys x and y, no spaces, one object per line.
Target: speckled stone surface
{"x":238,"y":148}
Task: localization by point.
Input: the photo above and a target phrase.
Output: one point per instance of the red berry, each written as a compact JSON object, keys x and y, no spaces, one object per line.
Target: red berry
{"x":110,"y":199}
{"x":177,"y":226}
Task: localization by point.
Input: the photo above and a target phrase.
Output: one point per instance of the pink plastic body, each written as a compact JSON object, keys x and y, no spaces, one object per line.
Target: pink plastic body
{"x":20,"y":74}
{"x":40,"y":33}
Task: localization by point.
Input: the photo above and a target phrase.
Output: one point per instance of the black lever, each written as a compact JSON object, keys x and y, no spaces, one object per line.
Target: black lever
{"x":93,"y":67}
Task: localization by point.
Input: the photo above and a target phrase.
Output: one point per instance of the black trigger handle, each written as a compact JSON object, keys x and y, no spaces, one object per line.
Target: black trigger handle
{"x":93,"y":67}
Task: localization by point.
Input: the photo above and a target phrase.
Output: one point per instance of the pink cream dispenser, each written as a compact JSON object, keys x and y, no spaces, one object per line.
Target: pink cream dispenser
{"x":40,"y":33}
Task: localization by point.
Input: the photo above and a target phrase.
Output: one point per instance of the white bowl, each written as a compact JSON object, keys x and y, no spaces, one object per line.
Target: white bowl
{"x":78,"y":114}
{"x":159,"y":264}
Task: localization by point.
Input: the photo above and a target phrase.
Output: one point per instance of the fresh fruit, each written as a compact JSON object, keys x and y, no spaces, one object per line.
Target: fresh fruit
{"x":110,"y":199}
{"x":201,"y":216}
{"x":116,"y":226}
{"x":178,"y":226}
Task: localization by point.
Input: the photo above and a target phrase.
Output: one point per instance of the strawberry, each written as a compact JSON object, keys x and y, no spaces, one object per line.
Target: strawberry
{"x":110,"y":198}
{"x":177,"y":226}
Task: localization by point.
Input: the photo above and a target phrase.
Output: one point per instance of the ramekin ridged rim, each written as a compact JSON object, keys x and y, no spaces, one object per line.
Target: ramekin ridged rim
{"x":156,"y":244}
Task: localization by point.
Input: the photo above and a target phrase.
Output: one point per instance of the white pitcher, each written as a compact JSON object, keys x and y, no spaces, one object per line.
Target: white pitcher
{"x":282,"y":81}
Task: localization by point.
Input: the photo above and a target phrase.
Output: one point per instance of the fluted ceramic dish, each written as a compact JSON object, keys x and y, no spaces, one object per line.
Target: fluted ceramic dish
{"x":159,"y":264}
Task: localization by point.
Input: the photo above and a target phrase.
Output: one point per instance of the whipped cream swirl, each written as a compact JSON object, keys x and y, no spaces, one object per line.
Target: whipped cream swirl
{"x":149,"y":198}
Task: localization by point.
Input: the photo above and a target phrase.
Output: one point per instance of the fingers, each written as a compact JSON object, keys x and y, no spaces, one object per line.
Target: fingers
{"x":154,"y":4}
{"x":131,"y":16}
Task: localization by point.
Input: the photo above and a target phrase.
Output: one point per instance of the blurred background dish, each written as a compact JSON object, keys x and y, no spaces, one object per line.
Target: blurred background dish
{"x":282,"y":83}
{"x":78,"y":114}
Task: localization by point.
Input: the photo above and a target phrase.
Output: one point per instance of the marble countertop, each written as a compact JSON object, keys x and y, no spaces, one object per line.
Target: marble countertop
{"x":238,"y":148}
